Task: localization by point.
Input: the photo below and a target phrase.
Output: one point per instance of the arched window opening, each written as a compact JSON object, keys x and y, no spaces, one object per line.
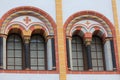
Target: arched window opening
{"x":14,"y":52}
{"x":37,"y":53}
{"x":77,"y":53}
{"x":97,"y":54}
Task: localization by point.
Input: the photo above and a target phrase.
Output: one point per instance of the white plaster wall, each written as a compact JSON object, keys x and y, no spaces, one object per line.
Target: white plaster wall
{"x":118,"y":9}
{"x":46,"y":5}
{"x":93,"y":77}
{"x":4,"y":76}
{"x":102,"y":6}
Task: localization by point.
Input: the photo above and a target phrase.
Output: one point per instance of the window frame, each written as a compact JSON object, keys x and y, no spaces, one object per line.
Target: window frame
{"x":83,"y":53}
{"x":45,"y":52}
{"x":22,"y":56}
{"x":96,"y":52}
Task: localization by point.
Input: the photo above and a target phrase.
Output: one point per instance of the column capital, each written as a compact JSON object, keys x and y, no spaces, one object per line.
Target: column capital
{"x":3,"y":35}
{"x":49,"y":37}
{"x":88,"y":41}
{"x":107,"y":39}
{"x":27,"y":39}
{"x":69,"y":37}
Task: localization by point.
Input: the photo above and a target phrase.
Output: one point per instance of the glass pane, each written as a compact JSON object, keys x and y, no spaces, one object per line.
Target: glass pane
{"x":33,"y":46}
{"x":33,"y":39}
{"x":74,"y":55}
{"x":18,"y":67}
{"x":40,"y":39}
{"x":10,"y":67}
{"x":79,"y":55}
{"x":10,"y":61}
{"x":41,"y":62}
{"x":11,"y":38}
{"x":10,"y":45}
{"x":93,"y":54}
{"x":93,"y":40}
{"x":94,"y":62}
{"x":75,"y":68}
{"x":101,"y":68}
{"x":95,"y":69}
{"x":41,"y":54}
{"x":33,"y":54}
{"x":73,"y":40}
{"x":18,"y":61}
{"x":33,"y":67}
{"x":18,"y":53}
{"x":33,"y":61}
{"x":81,"y":68}
{"x":99,"y":54}
{"x":17,"y":38}
{"x":10,"y":53}
{"x":93,"y":48}
{"x":98,"y":40}
{"x":41,"y":68}
{"x":80,"y":62}
{"x":18,"y":46}
{"x":74,"y":61}
{"x":100,"y":62}
{"x":79,"y":47}
{"x":99,"y":48}
{"x":74,"y":47}
{"x":41,"y":46}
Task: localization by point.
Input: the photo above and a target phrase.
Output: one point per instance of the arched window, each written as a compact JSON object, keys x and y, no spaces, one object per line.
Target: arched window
{"x":77,"y":53}
{"x":97,"y":54}
{"x":14,"y":52}
{"x":37,"y":53}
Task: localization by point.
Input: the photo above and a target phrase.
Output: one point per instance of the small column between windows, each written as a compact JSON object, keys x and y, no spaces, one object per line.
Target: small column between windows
{"x":51,"y":60}
{"x":1,"y":52}
{"x":26,"y":53}
{"x":108,"y":55}
{"x":69,"y":52}
{"x":88,"y":53}
{"x":113,"y":54}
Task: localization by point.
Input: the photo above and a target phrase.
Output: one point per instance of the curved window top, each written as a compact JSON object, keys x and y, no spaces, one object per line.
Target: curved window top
{"x":14,"y":52}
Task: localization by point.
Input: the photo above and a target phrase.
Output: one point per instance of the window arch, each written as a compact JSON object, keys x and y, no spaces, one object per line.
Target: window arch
{"x":77,"y":53}
{"x":14,"y":52}
{"x":37,"y":52}
{"x":97,"y":54}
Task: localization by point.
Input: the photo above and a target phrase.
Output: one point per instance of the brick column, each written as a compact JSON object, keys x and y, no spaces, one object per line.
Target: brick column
{"x":117,"y":36}
{"x":61,"y":40}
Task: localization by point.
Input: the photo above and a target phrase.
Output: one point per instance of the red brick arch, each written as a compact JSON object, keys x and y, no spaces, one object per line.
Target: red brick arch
{"x":50,"y":20}
{"x":101,"y":16}
{"x":46,"y":15}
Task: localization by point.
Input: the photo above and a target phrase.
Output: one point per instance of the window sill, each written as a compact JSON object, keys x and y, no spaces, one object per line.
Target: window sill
{"x":30,"y":71}
{"x":93,"y":72}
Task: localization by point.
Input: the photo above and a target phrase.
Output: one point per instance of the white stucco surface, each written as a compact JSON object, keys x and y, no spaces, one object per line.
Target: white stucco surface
{"x":4,"y":76}
{"x":118,"y":9}
{"x":46,"y":5}
{"x":72,"y":6}
{"x":93,"y":77}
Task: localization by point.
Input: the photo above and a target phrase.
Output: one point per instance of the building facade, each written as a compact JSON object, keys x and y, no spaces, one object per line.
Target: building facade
{"x":60,"y":40}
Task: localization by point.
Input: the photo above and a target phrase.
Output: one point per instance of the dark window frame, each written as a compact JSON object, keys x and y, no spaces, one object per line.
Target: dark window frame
{"x":22,"y":56}
{"x":45,"y":52}
{"x":102,"y":51}
{"x":83,"y":53}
